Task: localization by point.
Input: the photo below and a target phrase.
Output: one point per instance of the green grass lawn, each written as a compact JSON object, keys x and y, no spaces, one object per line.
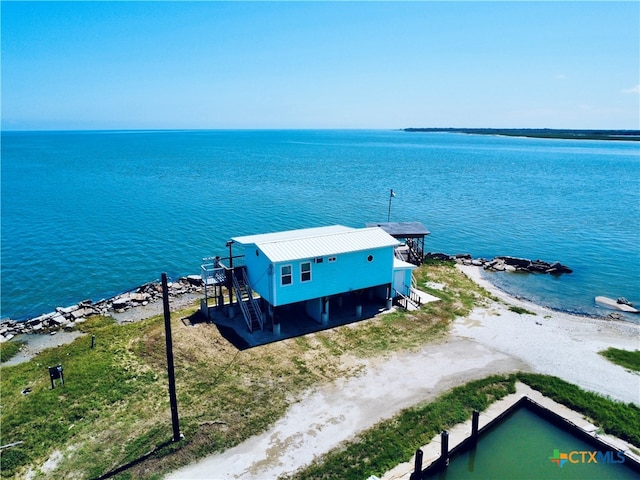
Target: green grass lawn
{"x":625,"y":358}
{"x":9,"y":349}
{"x":520,"y":310}
{"x":114,"y":409}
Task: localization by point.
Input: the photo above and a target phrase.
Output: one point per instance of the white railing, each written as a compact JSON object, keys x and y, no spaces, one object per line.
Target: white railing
{"x":212,"y":274}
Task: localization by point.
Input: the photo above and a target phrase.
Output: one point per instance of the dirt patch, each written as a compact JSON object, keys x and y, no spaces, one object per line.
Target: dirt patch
{"x":325,"y":417}
{"x":36,"y":343}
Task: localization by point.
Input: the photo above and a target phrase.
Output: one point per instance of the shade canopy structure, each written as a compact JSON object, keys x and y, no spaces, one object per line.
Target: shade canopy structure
{"x":411,"y":234}
{"x":402,"y":229}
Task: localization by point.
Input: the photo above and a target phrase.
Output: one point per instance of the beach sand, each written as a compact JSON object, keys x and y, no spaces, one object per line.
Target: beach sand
{"x":492,"y":339}
{"x":555,"y":343}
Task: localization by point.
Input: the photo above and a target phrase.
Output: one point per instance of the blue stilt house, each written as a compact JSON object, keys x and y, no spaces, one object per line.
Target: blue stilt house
{"x":314,"y":268}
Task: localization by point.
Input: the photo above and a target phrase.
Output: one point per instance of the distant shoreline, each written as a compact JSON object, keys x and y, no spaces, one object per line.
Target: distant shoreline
{"x":625,"y":135}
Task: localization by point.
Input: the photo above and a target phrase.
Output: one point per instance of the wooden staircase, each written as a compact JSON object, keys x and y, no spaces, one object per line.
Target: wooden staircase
{"x":248,"y":304}
{"x":414,"y":256}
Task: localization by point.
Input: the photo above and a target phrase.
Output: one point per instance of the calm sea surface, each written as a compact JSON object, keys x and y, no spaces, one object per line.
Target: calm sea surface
{"x":87,"y":215}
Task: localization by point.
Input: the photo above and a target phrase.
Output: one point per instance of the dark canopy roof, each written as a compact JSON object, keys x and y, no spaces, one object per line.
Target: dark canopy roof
{"x":402,"y":229}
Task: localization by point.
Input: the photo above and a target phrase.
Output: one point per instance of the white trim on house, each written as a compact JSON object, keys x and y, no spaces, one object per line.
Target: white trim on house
{"x":305,"y":274}
{"x":283,"y":275}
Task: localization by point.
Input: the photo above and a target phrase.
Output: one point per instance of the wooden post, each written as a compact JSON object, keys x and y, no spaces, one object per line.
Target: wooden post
{"x":417,"y":466}
{"x":444,"y":448}
{"x":170,"y":370}
{"x":229,"y":274}
{"x":474,"y":427}
{"x":206,"y":296}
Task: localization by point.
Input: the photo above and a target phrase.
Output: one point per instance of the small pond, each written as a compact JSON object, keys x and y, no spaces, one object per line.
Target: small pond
{"x":527,"y":446}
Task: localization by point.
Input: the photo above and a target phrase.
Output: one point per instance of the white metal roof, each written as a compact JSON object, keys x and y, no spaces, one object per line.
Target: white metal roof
{"x":318,"y":242}
{"x":291,"y":234}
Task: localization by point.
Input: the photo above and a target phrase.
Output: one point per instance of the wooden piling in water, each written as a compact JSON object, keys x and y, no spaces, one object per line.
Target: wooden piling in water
{"x":475,"y":420}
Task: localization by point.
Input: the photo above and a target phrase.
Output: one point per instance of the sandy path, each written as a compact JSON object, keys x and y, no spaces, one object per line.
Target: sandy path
{"x":491,"y":340}
{"x":332,"y":414}
{"x":36,"y":342}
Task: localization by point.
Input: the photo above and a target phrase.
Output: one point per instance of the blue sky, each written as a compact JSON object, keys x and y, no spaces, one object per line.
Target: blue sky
{"x":152,"y":65}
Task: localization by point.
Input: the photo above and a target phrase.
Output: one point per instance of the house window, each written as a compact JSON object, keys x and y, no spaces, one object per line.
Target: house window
{"x":370,"y":258}
{"x":285,"y":275}
{"x":305,"y":272}
{"x":332,"y":259}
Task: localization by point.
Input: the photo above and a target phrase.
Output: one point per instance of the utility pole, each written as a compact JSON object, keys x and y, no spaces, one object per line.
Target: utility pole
{"x":170,"y":370}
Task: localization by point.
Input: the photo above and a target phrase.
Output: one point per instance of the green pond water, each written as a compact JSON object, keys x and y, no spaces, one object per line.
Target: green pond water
{"x":522,"y":448}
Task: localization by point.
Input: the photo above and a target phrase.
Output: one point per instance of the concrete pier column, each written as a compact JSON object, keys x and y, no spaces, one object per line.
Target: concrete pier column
{"x":325,"y":312}
{"x":276,"y":323}
{"x":359,"y":311}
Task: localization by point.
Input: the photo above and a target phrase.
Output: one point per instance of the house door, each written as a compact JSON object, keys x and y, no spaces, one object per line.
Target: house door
{"x":400,"y":280}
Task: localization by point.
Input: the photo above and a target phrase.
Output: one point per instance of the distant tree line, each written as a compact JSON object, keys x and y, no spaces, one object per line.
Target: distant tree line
{"x":633,"y":135}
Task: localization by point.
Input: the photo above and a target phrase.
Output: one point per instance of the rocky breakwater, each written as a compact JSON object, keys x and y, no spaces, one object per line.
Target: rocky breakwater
{"x":504,"y":263}
{"x":67,"y":318}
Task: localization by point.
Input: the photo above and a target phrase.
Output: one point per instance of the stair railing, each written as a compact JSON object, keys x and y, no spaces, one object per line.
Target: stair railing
{"x":407,"y":300}
{"x":254,"y":302}
{"x":243,"y":306}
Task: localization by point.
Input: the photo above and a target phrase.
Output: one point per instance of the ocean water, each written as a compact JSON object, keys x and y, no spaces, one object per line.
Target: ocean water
{"x":87,"y":215}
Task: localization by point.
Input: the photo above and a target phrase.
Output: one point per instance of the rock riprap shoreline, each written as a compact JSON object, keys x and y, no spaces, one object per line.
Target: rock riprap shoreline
{"x":504,"y":263}
{"x":67,"y":318}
